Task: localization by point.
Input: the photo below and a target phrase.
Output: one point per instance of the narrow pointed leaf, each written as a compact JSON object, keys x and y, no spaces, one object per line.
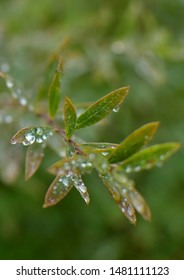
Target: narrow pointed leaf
{"x":55,"y":91}
{"x":101,"y":108}
{"x":133,"y":142}
{"x":34,"y":157}
{"x":128,"y":191}
{"x":139,"y":204}
{"x":48,"y":76}
{"x":70,"y":117}
{"x":51,"y":66}
{"x":119,"y":193}
{"x":80,"y":186}
{"x":59,"y":188}
{"x":117,"y":190}
{"x":29,"y":135}
{"x":149,"y":157}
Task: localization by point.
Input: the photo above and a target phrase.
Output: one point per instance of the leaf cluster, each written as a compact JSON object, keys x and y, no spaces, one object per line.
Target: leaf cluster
{"x":112,"y":161}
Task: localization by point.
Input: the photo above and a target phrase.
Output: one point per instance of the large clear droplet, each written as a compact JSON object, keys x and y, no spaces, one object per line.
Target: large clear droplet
{"x":30,"y":138}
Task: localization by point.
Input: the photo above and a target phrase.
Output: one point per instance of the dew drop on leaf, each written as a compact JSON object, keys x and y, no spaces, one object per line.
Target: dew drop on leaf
{"x":25,"y":142}
{"x":23,"y":101}
{"x":30,"y":139}
{"x":9,"y":83}
{"x":137,"y":168}
{"x":39,"y":140}
{"x":128,"y":169}
{"x":8,"y":119}
{"x":116,"y":109}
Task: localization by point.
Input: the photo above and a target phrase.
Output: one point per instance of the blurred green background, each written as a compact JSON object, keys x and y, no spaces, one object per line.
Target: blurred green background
{"x":109,"y":44}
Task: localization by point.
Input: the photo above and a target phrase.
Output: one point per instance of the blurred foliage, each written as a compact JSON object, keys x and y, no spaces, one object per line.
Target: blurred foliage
{"x":105,"y":45}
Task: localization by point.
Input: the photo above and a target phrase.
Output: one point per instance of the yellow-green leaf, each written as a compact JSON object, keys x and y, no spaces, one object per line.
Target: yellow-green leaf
{"x":149,"y":157}
{"x":58,"y":190}
{"x":119,"y":193}
{"x":70,"y":117}
{"x":34,"y":157}
{"x":54,"y":90}
{"x":128,"y":191}
{"x":29,"y":135}
{"x":133,"y":142}
{"x":102,"y":108}
{"x":139,"y":204}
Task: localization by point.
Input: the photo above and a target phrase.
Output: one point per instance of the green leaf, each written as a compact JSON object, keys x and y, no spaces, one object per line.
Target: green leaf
{"x":48,"y":77}
{"x":102,"y":108}
{"x":34,"y":157}
{"x":149,"y":157}
{"x":29,"y":135}
{"x":51,"y":67}
{"x":133,"y":142}
{"x":70,"y":117}
{"x":54,"y":90}
{"x":59,"y":188}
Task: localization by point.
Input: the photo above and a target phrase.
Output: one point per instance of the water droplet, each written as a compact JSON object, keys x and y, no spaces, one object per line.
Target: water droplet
{"x":67,"y":166}
{"x":137,"y":168}
{"x":30,"y":138}
{"x":104,"y":165}
{"x":25,"y":142}
{"x":13,"y":141}
{"x":82,"y":188}
{"x":39,"y":140}
{"x":83,"y":165}
{"x":105,"y":153}
{"x":128,"y":169}
{"x":23,"y":101}
{"x":44,"y":137}
{"x":159,"y":164}
{"x":162,"y":157}
{"x":65,"y":181}
{"x":116,"y":109}
{"x":8,"y":119}
{"x":39,"y":131}
{"x":123,"y":191}
{"x":52,"y":200}
{"x":55,"y":187}
{"x":89,"y":164}
{"x":92,"y":156}
{"x":9,"y":83}
{"x":5,"y":67}
{"x":16,"y":93}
